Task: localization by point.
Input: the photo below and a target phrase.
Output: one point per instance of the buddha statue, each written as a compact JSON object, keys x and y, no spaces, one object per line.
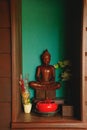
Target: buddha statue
{"x":45,"y":75}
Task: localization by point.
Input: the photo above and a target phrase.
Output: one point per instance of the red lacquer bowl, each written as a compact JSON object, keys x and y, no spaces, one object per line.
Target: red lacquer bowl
{"x":46,"y":106}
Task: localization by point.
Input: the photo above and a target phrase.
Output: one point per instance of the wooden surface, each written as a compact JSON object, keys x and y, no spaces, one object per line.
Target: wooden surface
{"x":5,"y":40}
{"x":5,"y":66}
{"x":31,"y":121}
{"x":4,"y":13}
{"x":5,"y":89}
{"x":84,"y":60}
{"x":16,"y":56}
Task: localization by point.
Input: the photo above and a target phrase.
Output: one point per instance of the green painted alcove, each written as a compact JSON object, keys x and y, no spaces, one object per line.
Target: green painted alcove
{"x":43,"y":27}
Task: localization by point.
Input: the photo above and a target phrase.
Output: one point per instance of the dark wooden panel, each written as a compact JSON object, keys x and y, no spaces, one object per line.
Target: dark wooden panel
{"x":3,"y":128}
{"x":5,"y":115}
{"x":50,"y":129}
{"x":4,"y":13}
{"x":5,"y":65}
{"x":86,"y":66}
{"x":5,"y":89}
{"x":4,"y":40}
{"x":86,"y":99}
{"x":86,"y":90}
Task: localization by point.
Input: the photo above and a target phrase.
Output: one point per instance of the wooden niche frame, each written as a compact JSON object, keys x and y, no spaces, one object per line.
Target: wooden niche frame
{"x":29,"y":121}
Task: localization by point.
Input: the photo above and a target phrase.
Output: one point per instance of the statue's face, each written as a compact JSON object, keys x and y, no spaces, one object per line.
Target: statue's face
{"x":46,"y":59}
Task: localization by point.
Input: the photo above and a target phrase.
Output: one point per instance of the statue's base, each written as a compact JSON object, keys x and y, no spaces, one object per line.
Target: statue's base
{"x":45,"y":94}
{"x":59,"y":101}
{"x":46,"y":113}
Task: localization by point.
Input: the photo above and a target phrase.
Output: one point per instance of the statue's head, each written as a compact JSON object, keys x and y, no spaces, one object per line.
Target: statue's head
{"x":46,"y":57}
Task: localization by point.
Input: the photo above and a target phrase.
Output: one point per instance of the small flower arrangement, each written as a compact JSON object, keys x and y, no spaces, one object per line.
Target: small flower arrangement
{"x":24,"y":90}
{"x":65,"y":70}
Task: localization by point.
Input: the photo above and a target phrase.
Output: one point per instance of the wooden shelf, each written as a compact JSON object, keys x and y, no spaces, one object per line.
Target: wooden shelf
{"x":32,"y":121}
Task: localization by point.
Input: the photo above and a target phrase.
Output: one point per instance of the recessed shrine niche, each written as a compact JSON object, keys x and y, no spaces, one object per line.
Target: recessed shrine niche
{"x":56,"y":26}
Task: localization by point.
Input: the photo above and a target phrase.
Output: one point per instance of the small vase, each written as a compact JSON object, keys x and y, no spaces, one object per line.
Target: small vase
{"x":27,"y":107}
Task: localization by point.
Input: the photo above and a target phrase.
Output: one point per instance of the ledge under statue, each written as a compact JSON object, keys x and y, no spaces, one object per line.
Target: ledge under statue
{"x":45,"y":85}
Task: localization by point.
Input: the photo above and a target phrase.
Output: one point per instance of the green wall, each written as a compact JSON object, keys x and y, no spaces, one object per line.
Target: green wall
{"x":43,"y":27}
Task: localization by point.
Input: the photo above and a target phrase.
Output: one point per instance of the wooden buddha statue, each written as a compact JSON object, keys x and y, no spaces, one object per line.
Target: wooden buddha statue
{"x":45,"y":84}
